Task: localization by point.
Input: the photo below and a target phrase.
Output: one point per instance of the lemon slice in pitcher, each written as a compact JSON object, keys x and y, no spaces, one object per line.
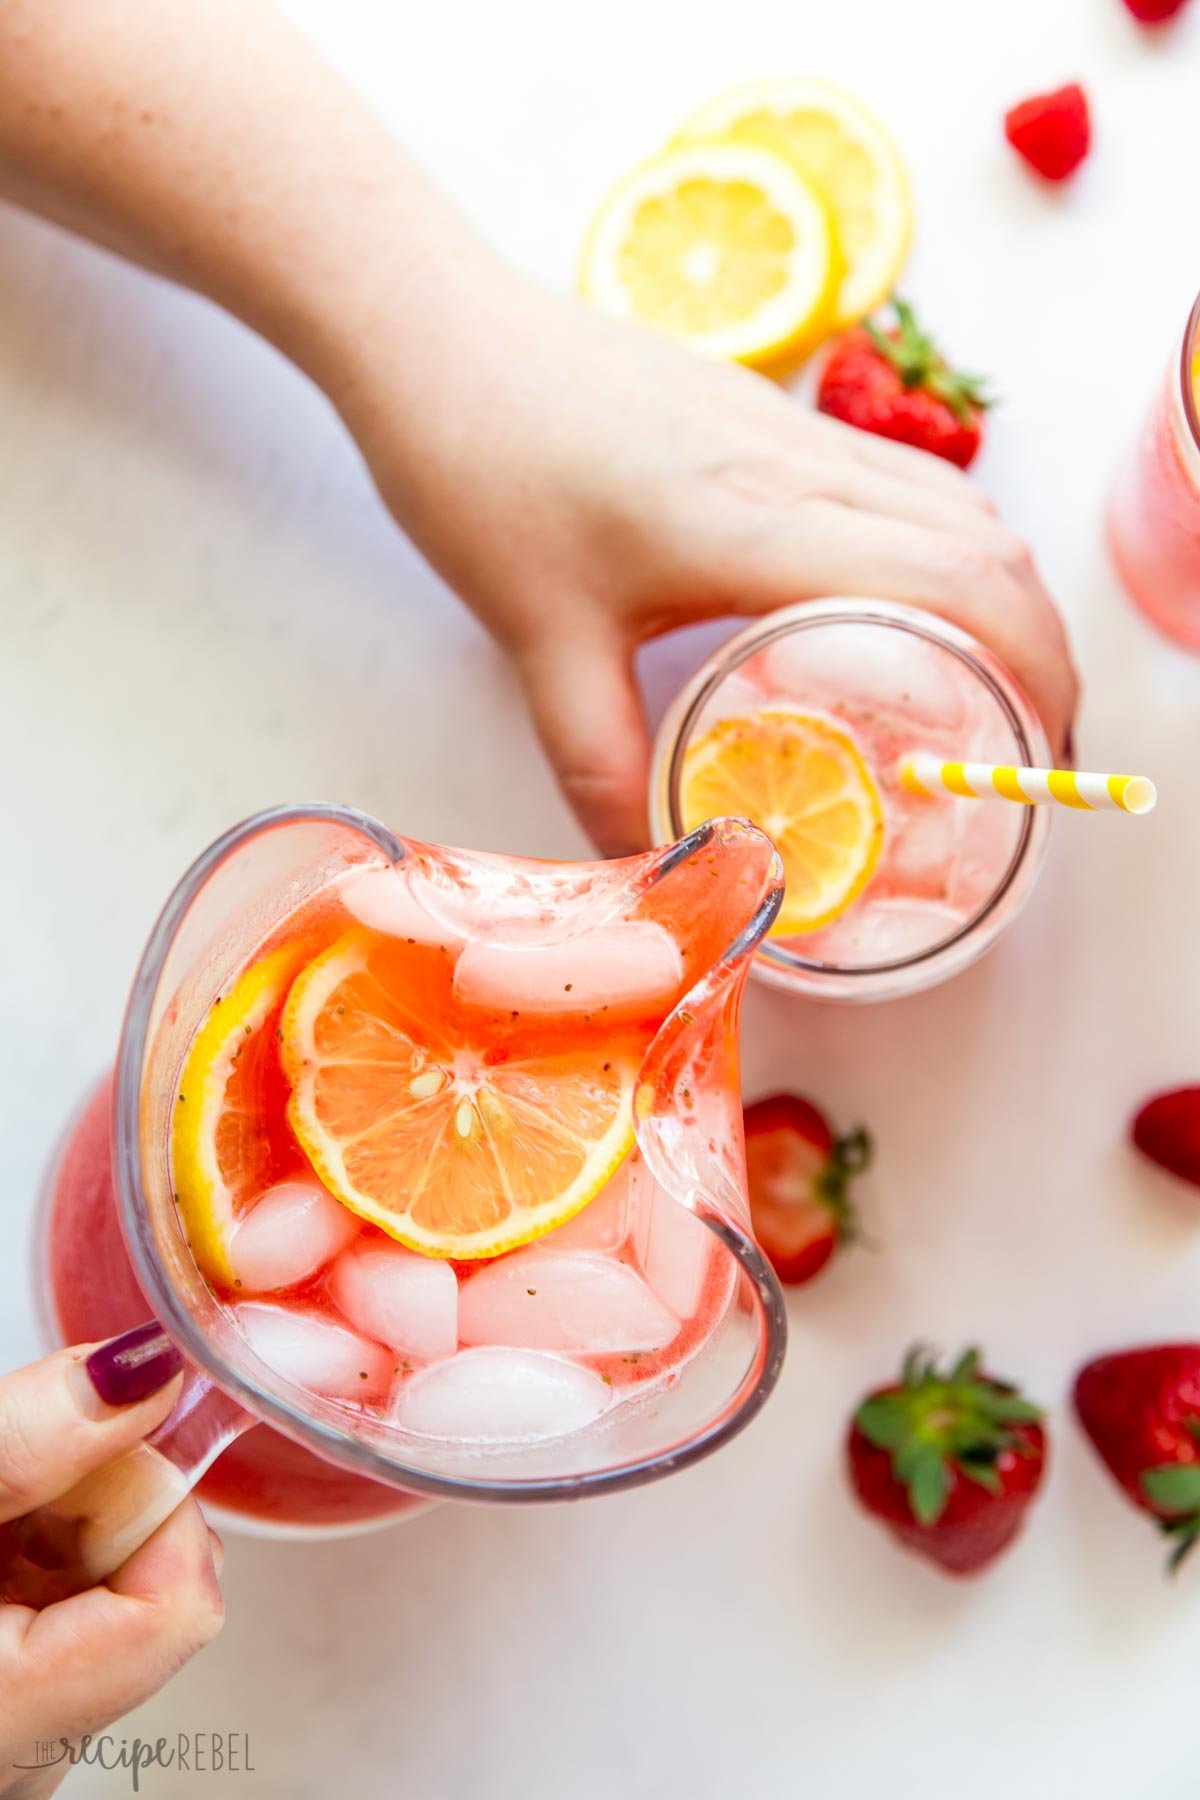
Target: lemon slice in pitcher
{"x":229,"y":1109}
{"x":804,"y":781}
{"x":447,"y":1149}
{"x":843,"y":151}
{"x":724,"y":246}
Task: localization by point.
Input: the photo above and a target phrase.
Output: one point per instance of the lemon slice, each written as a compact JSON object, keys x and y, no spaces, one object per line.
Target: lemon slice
{"x":804,"y":781}
{"x":724,"y":246}
{"x":845,"y":153}
{"x":229,"y":1139}
{"x":448,"y":1148}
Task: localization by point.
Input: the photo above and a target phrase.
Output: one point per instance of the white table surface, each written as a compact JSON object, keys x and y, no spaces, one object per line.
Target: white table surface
{"x":205,"y":611}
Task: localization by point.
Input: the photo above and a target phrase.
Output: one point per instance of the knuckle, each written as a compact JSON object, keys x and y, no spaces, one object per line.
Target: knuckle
{"x":209,"y":1619}
{"x":592,"y":782}
{"x":191,"y":1621}
{"x":1016,"y":558}
{"x":974,"y":570}
{"x":589,"y":787}
{"x":996,"y":567}
{"x":20,"y":1462}
{"x":769,"y":481}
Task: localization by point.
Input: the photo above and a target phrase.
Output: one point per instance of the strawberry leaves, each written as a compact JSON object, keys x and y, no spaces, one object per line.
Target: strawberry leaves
{"x":919,"y":363}
{"x":849,"y":1156}
{"x":1174,"y":1489}
{"x":924,"y":1471}
{"x":935,"y":1426}
{"x":1173,"y":1486}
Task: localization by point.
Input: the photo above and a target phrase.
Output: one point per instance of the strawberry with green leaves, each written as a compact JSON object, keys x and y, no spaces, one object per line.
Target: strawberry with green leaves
{"x":799,"y":1175}
{"x":894,"y":381}
{"x":949,"y":1462}
{"x":1141,"y":1410}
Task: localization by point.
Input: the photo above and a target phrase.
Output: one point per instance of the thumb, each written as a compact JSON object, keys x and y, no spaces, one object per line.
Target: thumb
{"x":62,"y":1417}
{"x":588,"y":714}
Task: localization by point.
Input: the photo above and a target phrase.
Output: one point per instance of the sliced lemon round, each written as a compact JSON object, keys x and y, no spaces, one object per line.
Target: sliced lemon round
{"x":845,"y":153}
{"x":229,"y":1138}
{"x":448,"y":1149}
{"x":804,"y":781}
{"x":724,"y":246}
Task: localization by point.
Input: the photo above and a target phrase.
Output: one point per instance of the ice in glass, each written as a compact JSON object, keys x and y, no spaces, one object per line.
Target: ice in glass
{"x":827,"y":698}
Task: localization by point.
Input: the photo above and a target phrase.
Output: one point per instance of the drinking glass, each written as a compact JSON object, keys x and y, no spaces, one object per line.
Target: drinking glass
{"x":887,"y":669}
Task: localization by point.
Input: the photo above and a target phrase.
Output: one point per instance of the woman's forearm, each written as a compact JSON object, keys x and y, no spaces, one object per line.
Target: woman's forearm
{"x":581,"y":484}
{"x":206,"y":140}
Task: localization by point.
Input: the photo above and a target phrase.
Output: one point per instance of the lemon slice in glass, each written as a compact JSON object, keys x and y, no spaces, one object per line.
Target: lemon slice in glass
{"x":804,"y":782}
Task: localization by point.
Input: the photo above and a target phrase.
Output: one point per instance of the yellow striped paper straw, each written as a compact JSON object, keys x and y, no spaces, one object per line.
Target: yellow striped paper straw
{"x":923,"y":772}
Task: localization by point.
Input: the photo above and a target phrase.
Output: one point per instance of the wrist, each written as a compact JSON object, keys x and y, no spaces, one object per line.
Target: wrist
{"x":391,"y":301}
{"x":417,"y":353}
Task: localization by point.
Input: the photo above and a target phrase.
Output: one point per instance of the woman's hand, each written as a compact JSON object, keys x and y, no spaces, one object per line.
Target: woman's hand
{"x":582,"y":484}
{"x":585,"y":485}
{"x":75,"y":1666}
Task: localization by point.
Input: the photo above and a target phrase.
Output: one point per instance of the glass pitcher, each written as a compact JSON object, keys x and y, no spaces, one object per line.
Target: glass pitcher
{"x":712,"y":895}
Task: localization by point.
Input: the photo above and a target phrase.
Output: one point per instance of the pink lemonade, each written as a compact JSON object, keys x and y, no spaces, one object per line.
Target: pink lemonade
{"x":92,"y":1293}
{"x":1154,"y":518}
{"x":437,"y":1038}
{"x":895,"y":681}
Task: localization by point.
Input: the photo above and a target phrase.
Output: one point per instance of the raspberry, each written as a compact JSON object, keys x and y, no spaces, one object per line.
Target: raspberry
{"x":1153,"y":12}
{"x":1053,"y":132}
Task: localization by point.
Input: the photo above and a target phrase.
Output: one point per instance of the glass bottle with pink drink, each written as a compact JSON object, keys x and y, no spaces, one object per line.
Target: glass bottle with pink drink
{"x":1154,"y":512}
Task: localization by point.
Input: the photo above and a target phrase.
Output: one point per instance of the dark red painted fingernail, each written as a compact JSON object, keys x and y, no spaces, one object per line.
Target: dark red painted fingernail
{"x":133,"y":1366}
{"x":1069,"y":746}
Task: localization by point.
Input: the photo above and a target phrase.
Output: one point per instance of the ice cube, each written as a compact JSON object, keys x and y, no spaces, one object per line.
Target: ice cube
{"x":673,"y":1246}
{"x":541,"y":1299}
{"x":314,"y":1352}
{"x":872,"y":666}
{"x":501,"y":900}
{"x":604,"y":1222}
{"x":883,"y":931}
{"x":923,"y":838}
{"x":384,"y":900}
{"x":988,"y":840}
{"x":496,"y":1395}
{"x":398,"y":1297}
{"x":616,"y":964}
{"x":293,"y":1230}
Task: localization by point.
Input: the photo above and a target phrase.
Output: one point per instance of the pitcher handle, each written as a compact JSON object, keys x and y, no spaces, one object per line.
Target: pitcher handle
{"x":75,"y":1541}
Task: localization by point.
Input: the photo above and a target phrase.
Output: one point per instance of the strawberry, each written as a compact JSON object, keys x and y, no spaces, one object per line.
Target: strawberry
{"x":950,"y":1463}
{"x":798,"y":1174}
{"x":1167,"y":1130}
{"x":895,"y":382}
{"x":1153,"y":12}
{"x":1053,"y":132}
{"x":1141,"y":1409}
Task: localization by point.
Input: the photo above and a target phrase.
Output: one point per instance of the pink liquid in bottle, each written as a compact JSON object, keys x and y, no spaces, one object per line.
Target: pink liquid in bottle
{"x":1154,"y":517}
